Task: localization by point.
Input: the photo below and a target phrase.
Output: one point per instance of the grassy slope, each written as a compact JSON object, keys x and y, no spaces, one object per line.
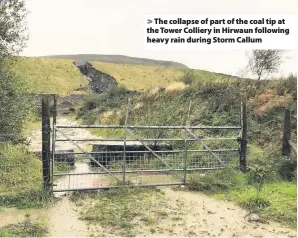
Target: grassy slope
{"x":140,"y":77}
{"x":45,"y":75}
{"x":20,"y":172}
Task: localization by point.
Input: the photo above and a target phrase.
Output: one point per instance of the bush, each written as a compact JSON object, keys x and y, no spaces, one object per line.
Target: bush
{"x":15,"y":103}
{"x":287,"y":168}
{"x":207,"y":184}
{"x":188,"y":78}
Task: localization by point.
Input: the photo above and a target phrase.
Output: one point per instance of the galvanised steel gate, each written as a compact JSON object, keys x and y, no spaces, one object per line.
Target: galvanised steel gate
{"x":134,"y":158}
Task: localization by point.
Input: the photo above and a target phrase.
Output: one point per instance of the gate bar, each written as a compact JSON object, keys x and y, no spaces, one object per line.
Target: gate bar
{"x":111,"y":187}
{"x":165,"y":151}
{"x":158,"y":139}
{"x":151,"y":127}
{"x":140,"y":171}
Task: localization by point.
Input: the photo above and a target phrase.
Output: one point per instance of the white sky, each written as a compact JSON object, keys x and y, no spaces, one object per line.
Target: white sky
{"x":116,"y":27}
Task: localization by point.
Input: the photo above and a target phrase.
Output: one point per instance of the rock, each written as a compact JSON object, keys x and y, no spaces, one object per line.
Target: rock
{"x":100,"y":82}
{"x":253,"y":218}
{"x":106,"y":158}
{"x":65,"y":156}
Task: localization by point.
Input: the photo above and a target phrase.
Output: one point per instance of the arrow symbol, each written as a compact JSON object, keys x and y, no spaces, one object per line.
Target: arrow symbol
{"x":149,"y":21}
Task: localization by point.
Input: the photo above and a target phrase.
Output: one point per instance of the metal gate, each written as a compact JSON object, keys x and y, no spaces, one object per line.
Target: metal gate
{"x":134,"y":157}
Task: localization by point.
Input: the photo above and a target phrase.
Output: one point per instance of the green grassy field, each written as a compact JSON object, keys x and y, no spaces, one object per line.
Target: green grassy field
{"x":45,"y":75}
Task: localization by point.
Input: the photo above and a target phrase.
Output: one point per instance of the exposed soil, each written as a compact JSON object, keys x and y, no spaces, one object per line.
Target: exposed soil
{"x":203,"y":217}
{"x":209,"y":217}
{"x":64,"y":220}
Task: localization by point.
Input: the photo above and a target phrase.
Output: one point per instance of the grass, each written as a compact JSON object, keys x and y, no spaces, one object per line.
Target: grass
{"x":127,"y":211}
{"x":282,"y":198}
{"x":140,"y":77}
{"x":45,"y":75}
{"x":63,"y":167}
{"x":26,"y":229}
{"x":20,"y":178}
{"x":20,"y":172}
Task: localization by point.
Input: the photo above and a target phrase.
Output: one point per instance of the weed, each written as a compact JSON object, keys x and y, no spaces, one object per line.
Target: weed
{"x":255,"y":204}
{"x":26,"y":229}
{"x":257,"y":175}
{"x":29,"y":199}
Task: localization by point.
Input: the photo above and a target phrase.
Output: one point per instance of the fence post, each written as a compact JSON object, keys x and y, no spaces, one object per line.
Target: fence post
{"x":54,"y":113}
{"x":286,"y":147}
{"x":185,"y":145}
{"x":124,"y":147}
{"x":46,"y":142}
{"x":243,"y":140}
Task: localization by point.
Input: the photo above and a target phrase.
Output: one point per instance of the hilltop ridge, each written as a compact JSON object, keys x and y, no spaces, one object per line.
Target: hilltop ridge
{"x":80,"y":59}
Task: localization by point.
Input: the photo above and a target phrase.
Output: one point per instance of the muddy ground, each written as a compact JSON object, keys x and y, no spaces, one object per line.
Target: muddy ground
{"x":204,"y":217}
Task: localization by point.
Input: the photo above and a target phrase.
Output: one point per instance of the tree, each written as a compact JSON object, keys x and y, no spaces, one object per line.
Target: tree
{"x":13,"y":94}
{"x":13,"y":29}
{"x":264,"y":62}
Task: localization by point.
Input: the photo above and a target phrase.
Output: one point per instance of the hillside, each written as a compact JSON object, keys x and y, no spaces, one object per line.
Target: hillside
{"x":145,"y":77}
{"x":117,"y":59}
{"x":61,"y":76}
{"x":140,"y":77}
{"x":44,"y":75}
{"x":216,"y":102}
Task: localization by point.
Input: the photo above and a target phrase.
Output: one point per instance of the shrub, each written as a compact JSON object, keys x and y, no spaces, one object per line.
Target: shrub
{"x":257,"y":176}
{"x":217,"y":181}
{"x":255,"y":204}
{"x":187,"y":78}
{"x":287,"y":168}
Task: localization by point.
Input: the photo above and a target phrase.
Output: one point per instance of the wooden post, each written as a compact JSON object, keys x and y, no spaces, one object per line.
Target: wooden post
{"x":243,"y":140}
{"x":286,"y":147}
{"x":54,"y":109}
{"x":46,"y":142}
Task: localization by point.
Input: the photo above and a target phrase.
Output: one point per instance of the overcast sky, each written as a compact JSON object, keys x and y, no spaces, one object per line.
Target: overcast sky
{"x":117,"y":27}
